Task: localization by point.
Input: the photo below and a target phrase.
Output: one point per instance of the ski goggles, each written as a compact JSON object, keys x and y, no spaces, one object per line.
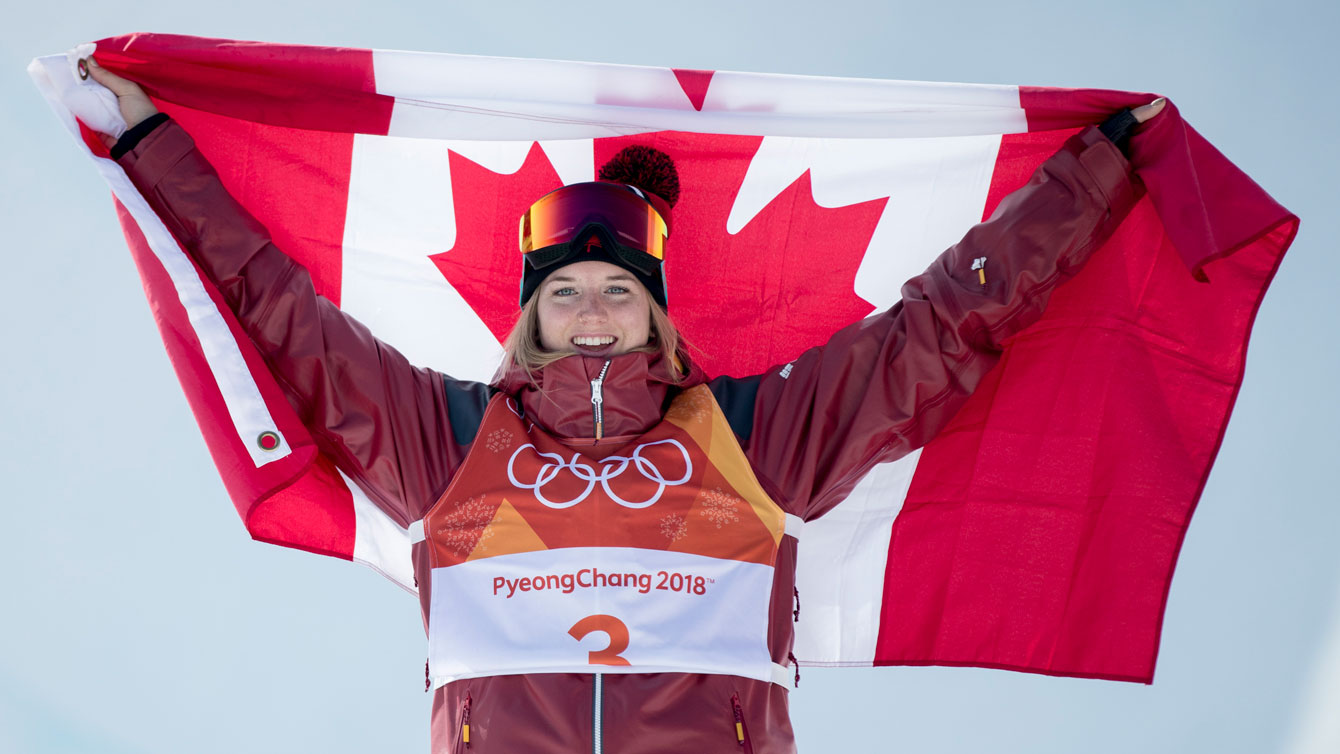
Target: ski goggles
{"x":555,"y":227}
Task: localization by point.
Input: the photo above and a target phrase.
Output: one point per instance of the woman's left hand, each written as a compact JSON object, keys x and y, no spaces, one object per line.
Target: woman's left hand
{"x":134,"y":103}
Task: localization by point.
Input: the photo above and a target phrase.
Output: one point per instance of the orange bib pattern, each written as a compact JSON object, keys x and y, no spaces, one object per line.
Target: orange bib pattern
{"x":646,"y":554}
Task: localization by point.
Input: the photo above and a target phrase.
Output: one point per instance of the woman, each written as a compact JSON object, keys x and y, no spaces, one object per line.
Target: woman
{"x":608,"y":536}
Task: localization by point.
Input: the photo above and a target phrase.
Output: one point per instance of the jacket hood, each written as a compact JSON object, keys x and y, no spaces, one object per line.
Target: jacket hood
{"x":636,"y":390}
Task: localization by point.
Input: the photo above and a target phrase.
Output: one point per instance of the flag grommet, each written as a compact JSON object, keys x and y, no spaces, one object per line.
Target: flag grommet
{"x":268,"y":440}
{"x":83,"y":69}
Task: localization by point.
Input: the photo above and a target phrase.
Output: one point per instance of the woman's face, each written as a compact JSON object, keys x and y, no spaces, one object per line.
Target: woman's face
{"x":595,"y":309}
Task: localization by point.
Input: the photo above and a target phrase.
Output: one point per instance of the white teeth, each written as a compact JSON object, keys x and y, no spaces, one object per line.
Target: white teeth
{"x":589,"y":340}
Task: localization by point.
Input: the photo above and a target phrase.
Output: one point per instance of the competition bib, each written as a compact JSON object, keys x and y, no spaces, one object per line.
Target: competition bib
{"x":654,"y":555}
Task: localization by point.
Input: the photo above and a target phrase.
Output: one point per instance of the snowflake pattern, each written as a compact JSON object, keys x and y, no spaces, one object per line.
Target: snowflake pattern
{"x":693,"y":406}
{"x":498,"y":439}
{"x":674,"y":527}
{"x":469,"y":525}
{"x":720,"y":507}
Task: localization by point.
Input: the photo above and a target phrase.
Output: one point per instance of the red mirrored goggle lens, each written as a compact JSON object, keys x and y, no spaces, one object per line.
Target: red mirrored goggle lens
{"x":559,"y":215}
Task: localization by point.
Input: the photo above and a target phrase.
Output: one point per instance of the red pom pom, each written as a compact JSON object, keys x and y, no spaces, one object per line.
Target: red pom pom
{"x":646,"y":168}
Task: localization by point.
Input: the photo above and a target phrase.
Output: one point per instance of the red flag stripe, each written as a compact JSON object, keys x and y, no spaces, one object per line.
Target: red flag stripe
{"x":293,"y":111}
{"x":1089,"y":550}
{"x":230,"y":446}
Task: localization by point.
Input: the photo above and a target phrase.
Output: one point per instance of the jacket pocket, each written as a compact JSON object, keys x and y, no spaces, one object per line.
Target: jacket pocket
{"x":741,"y":729}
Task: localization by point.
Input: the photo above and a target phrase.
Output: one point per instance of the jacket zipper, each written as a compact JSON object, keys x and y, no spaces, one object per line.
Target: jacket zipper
{"x":465,"y":723}
{"x":741,"y":733}
{"x":795,"y":619}
{"x":598,"y":401}
{"x":597,"y":702}
{"x":598,"y":687}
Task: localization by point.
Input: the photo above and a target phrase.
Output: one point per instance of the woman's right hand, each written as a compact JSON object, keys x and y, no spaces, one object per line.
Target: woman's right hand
{"x":1145,"y":112}
{"x":134,"y":103}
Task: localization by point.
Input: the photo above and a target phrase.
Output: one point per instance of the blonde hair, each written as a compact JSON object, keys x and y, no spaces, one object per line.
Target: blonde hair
{"x":522,"y":348}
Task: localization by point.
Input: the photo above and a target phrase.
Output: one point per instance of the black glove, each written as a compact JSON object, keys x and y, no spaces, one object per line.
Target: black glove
{"x":134,"y":135}
{"x":1117,"y":129}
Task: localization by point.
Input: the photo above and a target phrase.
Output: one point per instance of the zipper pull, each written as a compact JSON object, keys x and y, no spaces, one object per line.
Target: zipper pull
{"x":598,"y":401}
{"x":465,"y":722}
{"x":739,"y":719}
{"x":979,"y":264}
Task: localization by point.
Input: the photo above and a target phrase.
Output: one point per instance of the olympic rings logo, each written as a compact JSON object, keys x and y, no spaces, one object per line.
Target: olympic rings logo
{"x":610,"y":468}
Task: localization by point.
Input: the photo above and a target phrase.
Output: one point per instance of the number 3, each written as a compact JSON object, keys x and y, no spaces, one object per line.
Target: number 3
{"x":611,"y":627}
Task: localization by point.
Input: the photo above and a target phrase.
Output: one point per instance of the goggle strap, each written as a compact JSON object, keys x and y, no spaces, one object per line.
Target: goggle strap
{"x":541,"y":258}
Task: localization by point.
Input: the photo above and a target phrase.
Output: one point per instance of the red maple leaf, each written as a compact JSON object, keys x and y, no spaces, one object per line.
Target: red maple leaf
{"x":743,"y":301}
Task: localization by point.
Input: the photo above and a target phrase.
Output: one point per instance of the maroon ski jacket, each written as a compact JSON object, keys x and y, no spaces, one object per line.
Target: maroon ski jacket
{"x":878,"y":389}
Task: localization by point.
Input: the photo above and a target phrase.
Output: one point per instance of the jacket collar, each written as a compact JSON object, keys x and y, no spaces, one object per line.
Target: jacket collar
{"x":636,"y":390}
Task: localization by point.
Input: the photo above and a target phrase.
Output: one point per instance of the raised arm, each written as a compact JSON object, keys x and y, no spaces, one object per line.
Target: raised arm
{"x":383,"y":421}
{"x":885,"y":386}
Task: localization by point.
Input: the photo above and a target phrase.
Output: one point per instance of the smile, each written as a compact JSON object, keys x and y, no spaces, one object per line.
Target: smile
{"x":593,"y":340}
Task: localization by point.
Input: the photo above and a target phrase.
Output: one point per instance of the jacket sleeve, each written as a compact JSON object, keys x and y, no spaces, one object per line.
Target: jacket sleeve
{"x":383,"y":421}
{"x":885,"y":386}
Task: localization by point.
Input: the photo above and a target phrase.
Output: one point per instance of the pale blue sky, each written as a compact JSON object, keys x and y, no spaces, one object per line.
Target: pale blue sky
{"x":137,"y":617}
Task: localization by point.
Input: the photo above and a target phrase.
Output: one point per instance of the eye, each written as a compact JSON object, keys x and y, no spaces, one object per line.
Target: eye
{"x":566,"y":290}
{"x":617,"y":289}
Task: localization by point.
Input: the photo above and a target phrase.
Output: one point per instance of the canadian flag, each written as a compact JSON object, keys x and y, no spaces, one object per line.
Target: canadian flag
{"x":1038,"y":532}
